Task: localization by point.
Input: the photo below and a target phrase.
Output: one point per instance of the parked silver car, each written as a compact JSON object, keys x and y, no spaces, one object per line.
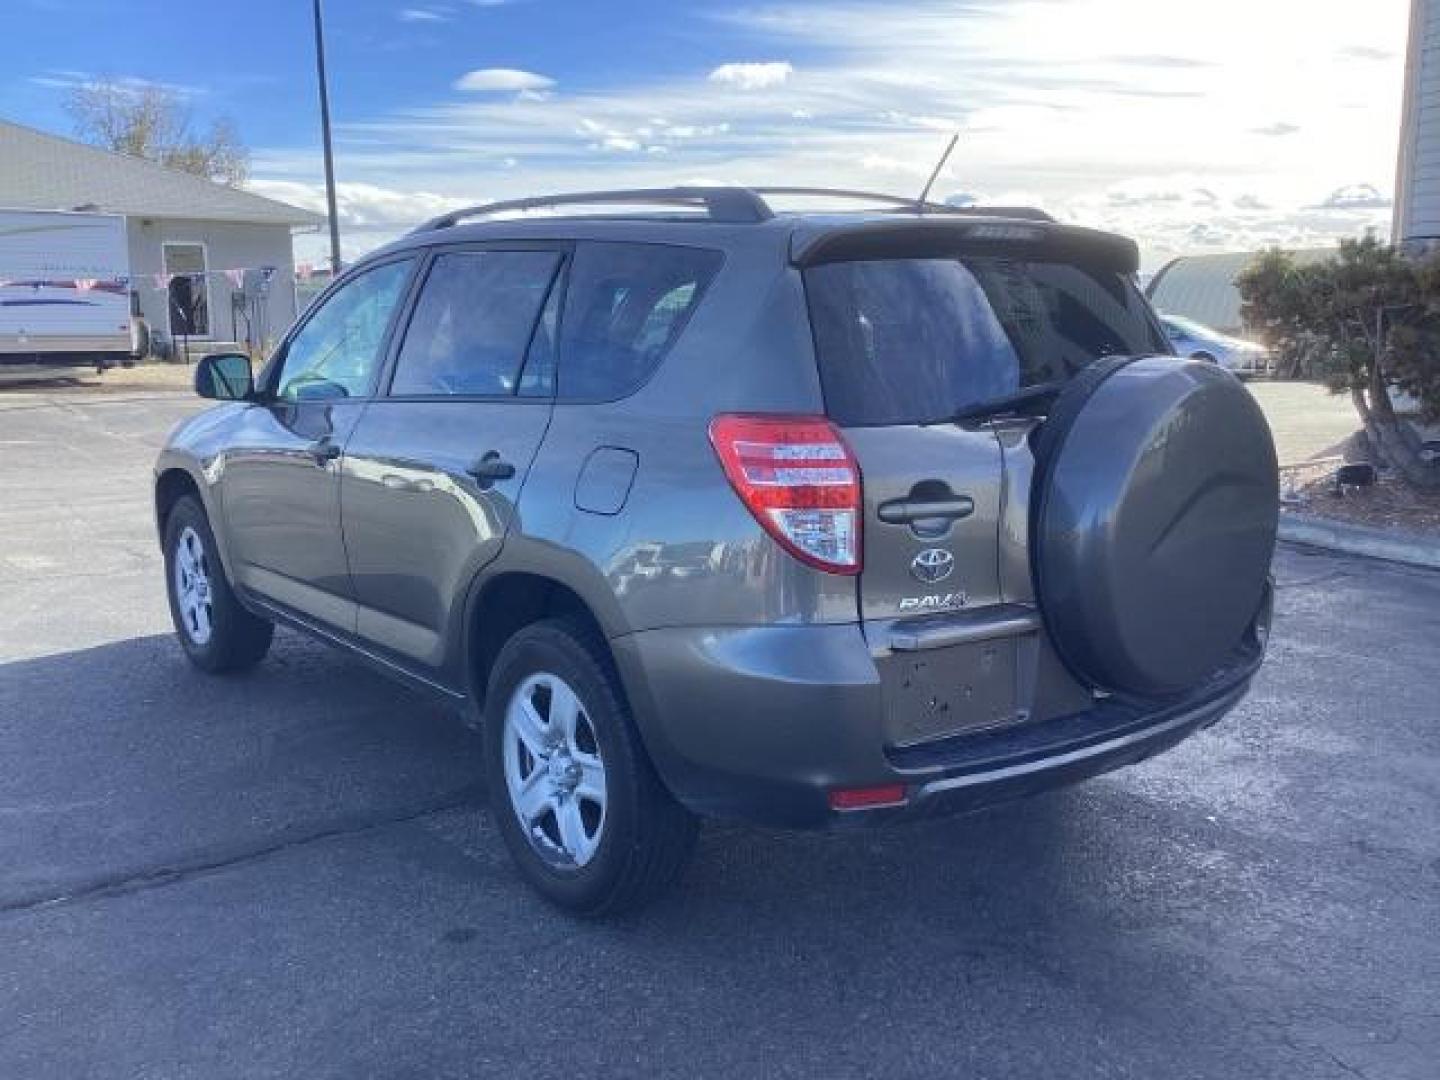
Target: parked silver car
{"x":811,"y":520}
{"x":1200,"y":342}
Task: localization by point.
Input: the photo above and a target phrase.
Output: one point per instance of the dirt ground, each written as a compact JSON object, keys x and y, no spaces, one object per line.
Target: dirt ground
{"x":1315,"y":431}
{"x":1389,"y":504}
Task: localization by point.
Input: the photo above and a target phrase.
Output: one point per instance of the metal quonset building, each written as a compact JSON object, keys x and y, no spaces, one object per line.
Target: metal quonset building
{"x":1417,"y":182}
{"x":1202,"y":287}
{"x":188,"y":239}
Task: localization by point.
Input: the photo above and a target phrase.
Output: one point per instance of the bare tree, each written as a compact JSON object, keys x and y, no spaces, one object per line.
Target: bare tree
{"x":152,"y":122}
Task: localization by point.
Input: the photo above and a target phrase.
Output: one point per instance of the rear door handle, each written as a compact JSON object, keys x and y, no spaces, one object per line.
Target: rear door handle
{"x":909,"y":511}
{"x":490,"y":468}
{"x":324,"y":450}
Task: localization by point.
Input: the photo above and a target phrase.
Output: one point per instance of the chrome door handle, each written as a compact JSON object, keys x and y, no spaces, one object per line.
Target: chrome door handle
{"x":490,"y":468}
{"x":909,"y":511}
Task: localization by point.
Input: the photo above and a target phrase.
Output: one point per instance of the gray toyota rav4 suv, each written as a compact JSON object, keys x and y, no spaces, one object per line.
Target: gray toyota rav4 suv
{"x":700,"y":508}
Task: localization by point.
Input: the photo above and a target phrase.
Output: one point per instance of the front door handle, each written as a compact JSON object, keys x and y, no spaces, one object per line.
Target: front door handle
{"x":324,"y":450}
{"x":909,"y":511}
{"x":490,"y":468}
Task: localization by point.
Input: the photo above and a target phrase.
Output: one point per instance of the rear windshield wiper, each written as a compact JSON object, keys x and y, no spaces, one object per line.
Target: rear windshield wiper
{"x":1020,"y":403}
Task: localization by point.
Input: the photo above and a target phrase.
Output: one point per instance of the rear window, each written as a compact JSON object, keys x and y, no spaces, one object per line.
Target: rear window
{"x":910,"y":340}
{"x":625,"y":307}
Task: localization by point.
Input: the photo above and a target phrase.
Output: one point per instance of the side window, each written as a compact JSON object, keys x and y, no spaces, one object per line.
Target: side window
{"x":337,"y":352}
{"x":626,"y":305}
{"x":473,"y":323}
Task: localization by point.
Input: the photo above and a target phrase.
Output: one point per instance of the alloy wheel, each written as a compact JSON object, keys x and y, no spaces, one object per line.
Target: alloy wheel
{"x":192,"y":586}
{"x":553,"y":770}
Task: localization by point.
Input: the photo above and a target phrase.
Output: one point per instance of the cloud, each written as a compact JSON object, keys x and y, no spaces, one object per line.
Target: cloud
{"x":65,"y":79}
{"x":424,"y":15}
{"x":364,"y":207}
{"x":753,"y":76}
{"x":1087,"y":108}
{"x":504,"y":79}
{"x":1163,"y":60}
{"x":1365,"y":52}
{"x":1279,"y":128}
{"x":1125,"y":200}
{"x":1356,"y":197}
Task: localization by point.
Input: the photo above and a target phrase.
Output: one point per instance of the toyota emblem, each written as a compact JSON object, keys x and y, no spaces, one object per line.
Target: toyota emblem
{"x":932,"y":565}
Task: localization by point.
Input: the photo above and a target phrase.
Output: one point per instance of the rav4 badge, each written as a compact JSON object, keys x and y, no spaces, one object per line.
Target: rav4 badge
{"x":933,"y":603}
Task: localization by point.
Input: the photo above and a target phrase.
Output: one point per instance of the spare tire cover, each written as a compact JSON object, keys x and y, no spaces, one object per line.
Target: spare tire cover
{"x":1153,"y":519}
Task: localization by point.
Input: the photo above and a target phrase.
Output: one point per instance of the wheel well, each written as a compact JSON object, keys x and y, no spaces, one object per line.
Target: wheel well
{"x":173,"y":485}
{"x":506,"y":605}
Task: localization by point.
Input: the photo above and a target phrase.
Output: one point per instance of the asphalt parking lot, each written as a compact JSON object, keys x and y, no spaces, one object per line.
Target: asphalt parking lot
{"x":289,"y":873}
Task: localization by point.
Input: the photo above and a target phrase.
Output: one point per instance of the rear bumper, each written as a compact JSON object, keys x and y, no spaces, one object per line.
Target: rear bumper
{"x":761,"y":724}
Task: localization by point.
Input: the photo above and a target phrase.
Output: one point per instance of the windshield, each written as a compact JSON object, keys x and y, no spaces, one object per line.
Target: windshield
{"x":904,"y":341}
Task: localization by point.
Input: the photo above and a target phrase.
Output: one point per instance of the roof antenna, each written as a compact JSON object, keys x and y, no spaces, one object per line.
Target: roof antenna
{"x":925,"y":191}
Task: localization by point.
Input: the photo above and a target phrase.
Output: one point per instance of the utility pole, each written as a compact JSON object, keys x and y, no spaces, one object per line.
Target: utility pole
{"x":325,"y":135}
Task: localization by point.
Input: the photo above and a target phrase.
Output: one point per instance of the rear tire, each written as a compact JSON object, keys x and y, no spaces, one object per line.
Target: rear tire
{"x":575,"y":797}
{"x":217,"y":633}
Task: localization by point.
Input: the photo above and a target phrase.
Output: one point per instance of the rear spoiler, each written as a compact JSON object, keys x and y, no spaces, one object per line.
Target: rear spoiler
{"x":932,"y":238}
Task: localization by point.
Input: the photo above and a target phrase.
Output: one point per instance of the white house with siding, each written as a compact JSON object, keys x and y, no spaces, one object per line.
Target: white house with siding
{"x":208,"y":263}
{"x":1417,"y":184}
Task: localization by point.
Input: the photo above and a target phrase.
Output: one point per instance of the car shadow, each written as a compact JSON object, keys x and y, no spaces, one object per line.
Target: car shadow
{"x":124,"y":760}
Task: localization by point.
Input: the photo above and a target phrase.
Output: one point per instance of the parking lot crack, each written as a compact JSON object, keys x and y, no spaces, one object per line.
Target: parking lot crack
{"x":188,"y":869}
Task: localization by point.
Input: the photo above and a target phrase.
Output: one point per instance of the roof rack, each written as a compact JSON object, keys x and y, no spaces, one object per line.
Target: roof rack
{"x":732,"y":205}
{"x":846,"y":193}
{"x":1027,"y":213}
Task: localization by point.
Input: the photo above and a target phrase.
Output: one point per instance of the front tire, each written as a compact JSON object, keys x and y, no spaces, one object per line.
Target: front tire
{"x":575,"y":797}
{"x":217,"y":633}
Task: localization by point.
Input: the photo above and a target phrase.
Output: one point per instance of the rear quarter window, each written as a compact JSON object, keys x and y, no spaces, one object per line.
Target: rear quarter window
{"x":625,"y":307}
{"x":903,"y":341}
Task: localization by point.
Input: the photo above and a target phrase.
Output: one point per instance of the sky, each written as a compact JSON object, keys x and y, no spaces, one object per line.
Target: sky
{"x":1192,"y":126}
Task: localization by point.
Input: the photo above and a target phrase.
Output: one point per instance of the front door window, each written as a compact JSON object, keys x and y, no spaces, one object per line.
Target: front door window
{"x":337,"y":352}
{"x":188,"y":296}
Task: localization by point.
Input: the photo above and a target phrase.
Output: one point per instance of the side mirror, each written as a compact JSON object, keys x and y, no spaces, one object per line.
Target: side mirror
{"x":225,"y":377}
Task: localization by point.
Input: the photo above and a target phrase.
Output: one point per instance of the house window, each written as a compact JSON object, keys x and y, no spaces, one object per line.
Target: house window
{"x":189,"y":299}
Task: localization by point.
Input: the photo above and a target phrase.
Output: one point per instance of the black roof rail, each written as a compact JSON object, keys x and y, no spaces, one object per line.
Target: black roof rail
{"x":900,"y":202}
{"x":732,"y":205}
{"x":846,"y":193}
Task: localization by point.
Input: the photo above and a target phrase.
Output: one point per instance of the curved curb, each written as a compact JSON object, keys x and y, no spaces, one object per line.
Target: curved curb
{"x":1392,"y":545}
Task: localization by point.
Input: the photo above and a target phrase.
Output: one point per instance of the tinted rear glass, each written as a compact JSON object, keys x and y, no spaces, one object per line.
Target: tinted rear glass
{"x":908,"y":340}
{"x":625,"y":307}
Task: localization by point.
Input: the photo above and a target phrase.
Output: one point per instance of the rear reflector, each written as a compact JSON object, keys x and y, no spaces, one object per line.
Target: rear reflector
{"x":867,"y":798}
{"x":799,"y":479}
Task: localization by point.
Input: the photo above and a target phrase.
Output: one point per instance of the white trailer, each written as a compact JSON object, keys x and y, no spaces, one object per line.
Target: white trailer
{"x":64,"y":290}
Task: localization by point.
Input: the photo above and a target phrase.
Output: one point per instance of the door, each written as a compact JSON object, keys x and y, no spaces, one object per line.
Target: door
{"x":188,"y":294}
{"x":434,"y":468}
{"x":901,"y":344}
{"x":936,"y":368}
{"x":280,"y":477}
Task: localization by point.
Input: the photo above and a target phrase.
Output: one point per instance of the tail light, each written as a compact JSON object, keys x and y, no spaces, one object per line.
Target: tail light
{"x":800,"y":480}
